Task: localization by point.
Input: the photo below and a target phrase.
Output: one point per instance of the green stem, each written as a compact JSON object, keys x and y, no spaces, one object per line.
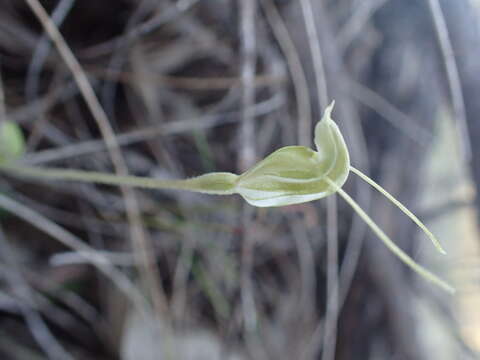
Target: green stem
{"x":389,"y":243}
{"x":213,"y":183}
{"x":222,"y":184}
{"x":401,"y":207}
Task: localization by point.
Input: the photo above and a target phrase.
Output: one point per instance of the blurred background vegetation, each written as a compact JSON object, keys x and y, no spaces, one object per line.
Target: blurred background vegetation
{"x":190,"y":86}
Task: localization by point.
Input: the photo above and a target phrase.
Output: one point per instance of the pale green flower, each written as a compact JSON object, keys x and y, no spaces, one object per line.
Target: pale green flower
{"x":297,"y":174}
{"x":290,"y":175}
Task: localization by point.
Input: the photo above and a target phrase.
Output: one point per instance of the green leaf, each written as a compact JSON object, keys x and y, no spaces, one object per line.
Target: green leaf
{"x":12,"y":142}
{"x":297,"y":174}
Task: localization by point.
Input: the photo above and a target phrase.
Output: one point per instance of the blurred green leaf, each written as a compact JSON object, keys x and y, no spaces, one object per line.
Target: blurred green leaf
{"x":12,"y":142}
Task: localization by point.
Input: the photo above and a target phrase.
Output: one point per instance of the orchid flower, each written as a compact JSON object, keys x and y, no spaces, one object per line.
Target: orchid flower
{"x":289,"y":175}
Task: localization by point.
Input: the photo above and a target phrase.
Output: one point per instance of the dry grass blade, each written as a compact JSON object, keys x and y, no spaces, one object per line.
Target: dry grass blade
{"x":174,"y":128}
{"x":331,"y":318}
{"x":247,"y":133}
{"x":390,"y":113}
{"x":141,"y":244}
{"x":71,"y":241}
{"x":42,"y":49}
{"x":453,"y":79}
{"x":39,"y":329}
{"x":296,"y":70}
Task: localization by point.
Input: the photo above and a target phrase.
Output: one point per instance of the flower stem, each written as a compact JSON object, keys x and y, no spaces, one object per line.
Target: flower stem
{"x":212,"y":183}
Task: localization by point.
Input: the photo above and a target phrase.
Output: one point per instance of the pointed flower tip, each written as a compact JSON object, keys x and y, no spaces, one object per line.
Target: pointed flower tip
{"x":327,"y":114}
